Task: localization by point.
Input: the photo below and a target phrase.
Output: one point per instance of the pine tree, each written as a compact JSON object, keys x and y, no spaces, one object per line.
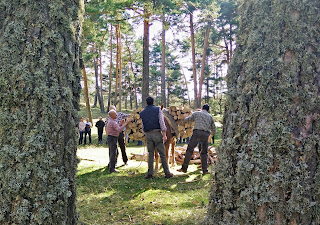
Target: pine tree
{"x":39,"y":99}
{"x":268,"y":170}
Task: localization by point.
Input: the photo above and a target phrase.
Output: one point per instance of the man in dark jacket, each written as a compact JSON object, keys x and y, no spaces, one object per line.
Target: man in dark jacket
{"x":100,"y":125}
{"x":155,"y":131}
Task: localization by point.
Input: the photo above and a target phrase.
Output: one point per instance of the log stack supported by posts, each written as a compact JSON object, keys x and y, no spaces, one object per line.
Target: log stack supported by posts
{"x":134,"y":128}
{"x":179,"y":113}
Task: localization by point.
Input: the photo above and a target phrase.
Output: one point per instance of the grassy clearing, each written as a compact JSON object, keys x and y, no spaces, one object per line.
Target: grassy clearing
{"x":128,"y":198}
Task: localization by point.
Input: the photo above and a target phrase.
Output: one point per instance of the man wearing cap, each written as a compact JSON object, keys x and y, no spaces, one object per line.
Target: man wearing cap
{"x":155,"y":131}
{"x":203,"y":126}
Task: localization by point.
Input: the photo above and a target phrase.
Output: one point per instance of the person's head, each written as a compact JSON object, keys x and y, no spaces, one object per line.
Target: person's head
{"x":81,"y":119}
{"x":100,"y":117}
{"x":112,"y":107}
{"x":87,"y":119}
{"x":149,"y":101}
{"x":113,"y":114}
{"x":205,"y":107}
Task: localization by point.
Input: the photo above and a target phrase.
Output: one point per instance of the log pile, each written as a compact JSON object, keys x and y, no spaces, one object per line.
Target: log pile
{"x":134,"y":128}
{"x":179,"y":113}
{"x":195,"y":159}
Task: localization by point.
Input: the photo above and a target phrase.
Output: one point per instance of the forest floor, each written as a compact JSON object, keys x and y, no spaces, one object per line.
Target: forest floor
{"x":128,"y":198}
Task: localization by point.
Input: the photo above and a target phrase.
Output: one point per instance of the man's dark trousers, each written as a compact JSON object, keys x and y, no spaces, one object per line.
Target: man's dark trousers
{"x":202,"y":137}
{"x":100,"y":132}
{"x":112,"y":141}
{"x":122,"y":147}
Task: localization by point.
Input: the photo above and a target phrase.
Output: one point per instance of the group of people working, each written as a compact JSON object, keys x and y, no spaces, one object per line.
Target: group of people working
{"x":155,"y":132}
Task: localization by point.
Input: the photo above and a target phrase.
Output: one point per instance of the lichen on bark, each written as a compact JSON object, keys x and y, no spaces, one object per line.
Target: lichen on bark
{"x":268,"y":170}
{"x":39,"y":98}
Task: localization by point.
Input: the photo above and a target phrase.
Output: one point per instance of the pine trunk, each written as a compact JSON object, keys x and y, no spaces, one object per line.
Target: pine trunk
{"x":110,"y":69}
{"x":145,"y":72}
{"x":194,"y":69}
{"x":203,"y":62}
{"x":39,"y":99}
{"x":101,"y":82}
{"x":269,"y":159}
{"x":163,"y":63}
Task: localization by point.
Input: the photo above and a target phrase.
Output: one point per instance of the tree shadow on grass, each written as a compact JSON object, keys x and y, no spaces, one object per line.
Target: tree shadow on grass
{"x":129,"y":193}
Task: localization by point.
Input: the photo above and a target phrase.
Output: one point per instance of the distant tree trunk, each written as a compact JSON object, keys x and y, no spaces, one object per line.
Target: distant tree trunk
{"x":163,"y":63}
{"x":194,"y":69}
{"x":269,"y":163}
{"x":145,"y":72}
{"x":134,"y":80}
{"x":203,"y":63}
{"x":110,"y":69}
{"x":39,"y":100}
{"x":186,"y":83}
{"x":97,"y":94}
{"x":86,"y":92}
{"x":120,"y":70}
{"x":168,"y":97}
{"x":117,"y":64}
{"x":227,"y":50}
{"x":101,"y":83}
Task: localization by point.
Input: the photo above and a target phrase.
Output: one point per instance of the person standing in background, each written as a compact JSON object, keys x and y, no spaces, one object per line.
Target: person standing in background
{"x":100,"y":125}
{"x":87,"y":131}
{"x":81,"y":126}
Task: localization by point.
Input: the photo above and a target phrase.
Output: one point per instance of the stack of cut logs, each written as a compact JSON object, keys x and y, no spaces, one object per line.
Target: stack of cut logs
{"x":178,"y":113}
{"x":195,"y":159}
{"x":134,"y":128}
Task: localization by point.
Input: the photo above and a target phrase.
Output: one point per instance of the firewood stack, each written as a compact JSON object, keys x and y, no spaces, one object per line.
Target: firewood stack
{"x":178,"y":113}
{"x":180,"y":153}
{"x":134,"y":128}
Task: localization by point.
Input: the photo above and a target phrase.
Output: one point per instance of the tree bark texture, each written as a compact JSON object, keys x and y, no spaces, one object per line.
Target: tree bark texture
{"x":268,"y":170}
{"x":39,"y":98}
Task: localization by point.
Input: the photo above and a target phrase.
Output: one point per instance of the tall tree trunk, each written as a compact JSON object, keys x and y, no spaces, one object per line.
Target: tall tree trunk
{"x":269,"y":163}
{"x":120,"y":70}
{"x":110,"y":69}
{"x":117,"y":65}
{"x":86,"y":92}
{"x":227,"y":50}
{"x":194,"y":69}
{"x":203,"y":63}
{"x":186,"y":84}
{"x":97,"y":94}
{"x":134,"y":80}
{"x":163,"y":63}
{"x":101,"y":83}
{"x":39,"y":100}
{"x":145,"y":72}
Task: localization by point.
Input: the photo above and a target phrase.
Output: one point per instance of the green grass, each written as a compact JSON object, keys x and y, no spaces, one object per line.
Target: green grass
{"x":128,"y":198}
